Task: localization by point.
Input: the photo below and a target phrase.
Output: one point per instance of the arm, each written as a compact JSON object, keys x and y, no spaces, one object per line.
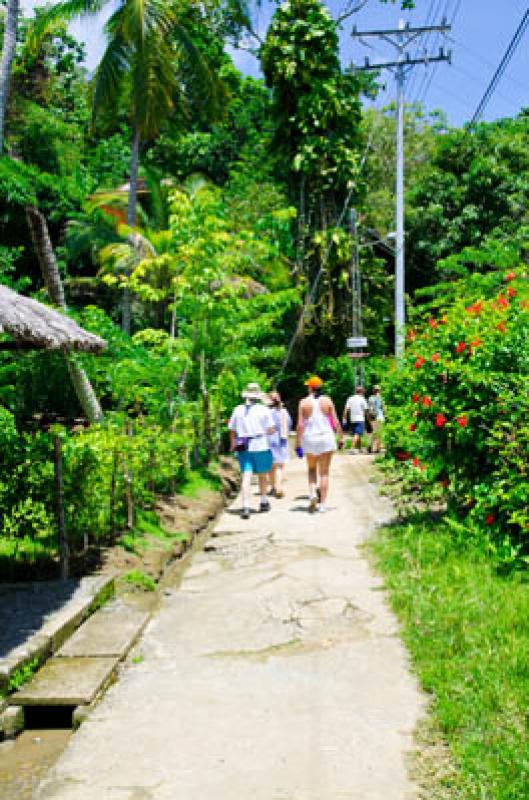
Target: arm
{"x":301,"y":424}
{"x":339,"y":429}
{"x":345,"y":409}
{"x":232,"y":439}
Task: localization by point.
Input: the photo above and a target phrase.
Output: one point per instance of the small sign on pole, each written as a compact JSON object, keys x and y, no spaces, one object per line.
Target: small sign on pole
{"x":357,"y":341}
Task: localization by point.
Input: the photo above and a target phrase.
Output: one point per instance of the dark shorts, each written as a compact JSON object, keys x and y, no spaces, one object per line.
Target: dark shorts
{"x":357,"y":428}
{"x":259,"y":462}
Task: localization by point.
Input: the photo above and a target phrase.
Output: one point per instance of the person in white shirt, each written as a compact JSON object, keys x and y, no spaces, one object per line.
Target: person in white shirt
{"x":250,"y":426}
{"x":355,"y":409}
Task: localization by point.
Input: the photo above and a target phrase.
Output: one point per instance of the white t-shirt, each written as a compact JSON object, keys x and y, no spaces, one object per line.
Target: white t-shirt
{"x":356,"y":406}
{"x":251,"y":422}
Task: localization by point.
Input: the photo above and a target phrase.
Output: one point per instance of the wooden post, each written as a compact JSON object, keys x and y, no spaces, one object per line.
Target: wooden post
{"x":64,"y":550}
{"x":196,"y":439}
{"x":206,"y":424}
{"x":112,"y":520}
{"x":129,"y":492}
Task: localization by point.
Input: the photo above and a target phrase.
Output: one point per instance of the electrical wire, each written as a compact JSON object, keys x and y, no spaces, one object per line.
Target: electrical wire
{"x":428,"y":79}
{"x":504,"y":63}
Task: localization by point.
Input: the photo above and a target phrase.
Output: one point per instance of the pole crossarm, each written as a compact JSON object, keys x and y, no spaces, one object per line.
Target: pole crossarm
{"x":405,"y":62}
{"x":406,"y":30}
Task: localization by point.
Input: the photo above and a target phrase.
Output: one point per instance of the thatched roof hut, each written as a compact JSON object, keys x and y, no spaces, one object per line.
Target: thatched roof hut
{"x":34,"y":325}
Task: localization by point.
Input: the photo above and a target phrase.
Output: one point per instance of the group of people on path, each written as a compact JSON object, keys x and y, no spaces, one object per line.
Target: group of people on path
{"x":259,"y":430}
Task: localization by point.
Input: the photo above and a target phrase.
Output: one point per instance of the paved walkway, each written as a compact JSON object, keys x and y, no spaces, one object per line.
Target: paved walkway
{"x":274,"y":672}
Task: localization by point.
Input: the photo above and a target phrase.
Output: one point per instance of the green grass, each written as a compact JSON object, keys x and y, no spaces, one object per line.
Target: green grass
{"x":146,"y":529}
{"x":140,"y":580}
{"x":467,"y":628}
{"x":197,"y":481}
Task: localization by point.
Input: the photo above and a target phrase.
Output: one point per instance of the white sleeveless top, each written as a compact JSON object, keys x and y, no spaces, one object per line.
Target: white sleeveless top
{"x":318,"y":435}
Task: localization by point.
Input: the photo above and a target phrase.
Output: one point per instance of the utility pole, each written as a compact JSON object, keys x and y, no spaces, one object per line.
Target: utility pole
{"x":401,"y":38}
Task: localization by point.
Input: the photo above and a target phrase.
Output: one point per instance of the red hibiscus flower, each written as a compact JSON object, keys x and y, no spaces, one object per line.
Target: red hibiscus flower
{"x":510,"y":276}
{"x":490,"y":519}
{"x":511,"y":292}
{"x":420,"y":362}
{"x":432,"y":322}
{"x":427,"y":401}
{"x":415,"y":397}
{"x":502,"y":301}
{"x":475,"y":343}
{"x":436,"y":357}
{"x":440,"y":420}
{"x":461,"y":347}
{"x":475,"y":308}
{"x":416,"y":462}
{"x":502,"y":327}
{"x":413,"y":426}
{"x":462,"y":420}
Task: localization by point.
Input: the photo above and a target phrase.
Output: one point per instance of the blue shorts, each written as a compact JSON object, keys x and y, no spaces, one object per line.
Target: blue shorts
{"x":259,"y":462}
{"x":357,"y":428}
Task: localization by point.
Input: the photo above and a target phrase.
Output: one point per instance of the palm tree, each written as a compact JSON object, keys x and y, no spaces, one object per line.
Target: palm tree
{"x":150,"y":60}
{"x":8,"y":54}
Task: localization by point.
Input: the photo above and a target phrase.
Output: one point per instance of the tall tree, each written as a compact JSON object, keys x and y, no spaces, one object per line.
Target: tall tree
{"x":6,"y":63}
{"x":317,"y":143}
{"x":50,"y":272}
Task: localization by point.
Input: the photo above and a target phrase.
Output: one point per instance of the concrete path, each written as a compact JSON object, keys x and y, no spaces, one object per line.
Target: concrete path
{"x":274,"y":672}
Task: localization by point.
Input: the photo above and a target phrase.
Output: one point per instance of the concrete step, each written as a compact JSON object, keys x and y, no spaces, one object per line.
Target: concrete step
{"x":67,"y":682}
{"x":110,"y":632}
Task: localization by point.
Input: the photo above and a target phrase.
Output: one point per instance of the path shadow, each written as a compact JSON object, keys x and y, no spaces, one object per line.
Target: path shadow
{"x":24,"y":608}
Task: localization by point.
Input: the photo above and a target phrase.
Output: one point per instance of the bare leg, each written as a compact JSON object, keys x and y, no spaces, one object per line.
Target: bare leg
{"x":324,"y":464}
{"x":246,"y":488}
{"x":278,"y":478}
{"x":312,"y":463}
{"x":263,"y":483}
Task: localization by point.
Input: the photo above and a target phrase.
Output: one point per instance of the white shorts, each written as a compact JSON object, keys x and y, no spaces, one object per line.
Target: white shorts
{"x":317,"y":444}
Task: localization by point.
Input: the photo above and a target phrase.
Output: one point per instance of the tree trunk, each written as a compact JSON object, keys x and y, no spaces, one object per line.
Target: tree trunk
{"x":126,"y":314}
{"x":50,"y":272}
{"x":8,"y":54}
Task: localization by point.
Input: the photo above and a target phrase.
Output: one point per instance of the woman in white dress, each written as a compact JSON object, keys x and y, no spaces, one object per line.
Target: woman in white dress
{"x":317,"y":428}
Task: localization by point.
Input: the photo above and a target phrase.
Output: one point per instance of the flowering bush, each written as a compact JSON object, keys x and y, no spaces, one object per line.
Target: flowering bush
{"x":459,"y":411}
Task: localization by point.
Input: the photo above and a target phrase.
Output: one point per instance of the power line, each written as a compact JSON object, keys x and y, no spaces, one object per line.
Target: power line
{"x":478,"y":57}
{"x":509,"y":53}
{"x":421,"y":96}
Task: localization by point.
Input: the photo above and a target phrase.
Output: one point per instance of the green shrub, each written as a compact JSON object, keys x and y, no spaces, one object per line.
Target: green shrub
{"x":458,"y":411}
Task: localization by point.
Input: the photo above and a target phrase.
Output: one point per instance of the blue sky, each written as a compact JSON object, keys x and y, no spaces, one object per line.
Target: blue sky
{"x":481,"y":31}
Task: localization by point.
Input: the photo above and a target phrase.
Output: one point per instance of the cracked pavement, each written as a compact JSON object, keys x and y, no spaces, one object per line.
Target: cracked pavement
{"x":274,"y":671}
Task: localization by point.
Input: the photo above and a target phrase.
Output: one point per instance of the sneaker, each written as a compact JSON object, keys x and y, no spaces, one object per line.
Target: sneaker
{"x":313,"y":505}
{"x":245,"y":514}
{"x":264,"y":506}
{"x":322,"y":508}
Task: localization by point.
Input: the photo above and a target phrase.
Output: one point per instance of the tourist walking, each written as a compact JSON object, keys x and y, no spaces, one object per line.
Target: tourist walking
{"x":316,"y":438}
{"x":278,"y":442}
{"x":355,"y":409}
{"x":250,"y":426}
{"x":375,"y":406}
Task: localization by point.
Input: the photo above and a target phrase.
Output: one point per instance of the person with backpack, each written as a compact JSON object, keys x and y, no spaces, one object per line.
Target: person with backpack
{"x":250,"y":425}
{"x":375,"y":411}
{"x":316,"y":438}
